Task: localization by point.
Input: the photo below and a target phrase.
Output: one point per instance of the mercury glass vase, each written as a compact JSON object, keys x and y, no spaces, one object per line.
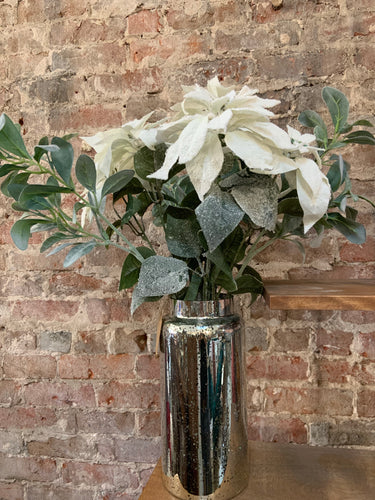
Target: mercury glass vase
{"x":204,"y":434}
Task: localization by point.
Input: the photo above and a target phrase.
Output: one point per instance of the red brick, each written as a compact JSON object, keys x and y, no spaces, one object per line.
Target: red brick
{"x":144,"y":21}
{"x":83,"y":119}
{"x":103,"y":475}
{"x":45,"y":310}
{"x":148,"y":367}
{"x":276,"y":367}
{"x":106,"y":422}
{"x":137,"y":450}
{"x":119,"y":366}
{"x":366,"y":403}
{"x":365,"y":345}
{"x":27,"y":468}
{"x":91,"y":342}
{"x":59,"y":394}
{"x":180,"y":20}
{"x":321,"y":401}
{"x":103,"y":311}
{"x":126,"y":395}
{"x":290,"y":340}
{"x":358,"y":317}
{"x":29,"y":366}
{"x":12,"y":491}
{"x":71,"y":283}
{"x":52,"y":492}
{"x":358,"y":253}
{"x":149,"y":423}
{"x":72,"y":447}
{"x":364,"y":372}
{"x":272,"y":429}
{"x":332,"y":370}
{"x":9,"y":393}
{"x":335,"y":342}
{"x":26,"y":418}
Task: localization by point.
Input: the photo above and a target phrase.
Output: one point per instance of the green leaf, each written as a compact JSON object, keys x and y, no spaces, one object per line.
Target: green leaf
{"x":20,"y":232}
{"x":117,"y":182}
{"x":363,"y":123}
{"x":290,"y":206}
{"x":14,"y":184}
{"x":312,"y":119}
{"x":10,"y":138}
{"x":218,"y":215}
{"x":219,"y":259}
{"x":133,"y":187}
{"x":7,"y":169}
{"x":144,"y":163}
{"x":162,"y":276}
{"x":131,"y":267}
{"x":338,"y":107}
{"x":226,"y":282}
{"x":360,"y":137}
{"x":353,"y":231}
{"x":337,"y":173}
{"x":78,"y":251}
{"x":249,"y":282}
{"x":63,"y":158}
{"x":52,"y":240}
{"x":193,"y":288}
{"x":182,"y":237}
{"x":86,"y":172}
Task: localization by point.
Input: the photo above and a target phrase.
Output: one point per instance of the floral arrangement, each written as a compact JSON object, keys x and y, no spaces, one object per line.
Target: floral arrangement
{"x":219,"y":177}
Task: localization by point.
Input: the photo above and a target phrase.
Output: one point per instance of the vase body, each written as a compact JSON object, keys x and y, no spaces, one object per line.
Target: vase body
{"x":204,"y":434}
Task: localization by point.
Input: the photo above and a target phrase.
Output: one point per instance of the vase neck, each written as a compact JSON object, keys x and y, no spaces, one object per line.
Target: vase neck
{"x":203,"y":308}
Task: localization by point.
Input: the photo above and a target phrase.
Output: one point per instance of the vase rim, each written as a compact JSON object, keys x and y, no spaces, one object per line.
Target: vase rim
{"x":203,"y":308}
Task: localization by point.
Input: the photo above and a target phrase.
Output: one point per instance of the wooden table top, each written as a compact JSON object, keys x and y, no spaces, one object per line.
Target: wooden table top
{"x":297,"y":472}
{"x":356,"y":295}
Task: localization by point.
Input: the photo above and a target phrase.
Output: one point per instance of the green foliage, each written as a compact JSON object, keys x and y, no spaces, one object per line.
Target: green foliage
{"x":211,"y":241}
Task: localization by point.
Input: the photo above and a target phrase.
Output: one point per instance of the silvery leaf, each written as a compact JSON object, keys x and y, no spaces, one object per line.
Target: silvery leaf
{"x":257,"y":195}
{"x":218,"y":215}
{"x":162,"y":276}
{"x":182,"y":237}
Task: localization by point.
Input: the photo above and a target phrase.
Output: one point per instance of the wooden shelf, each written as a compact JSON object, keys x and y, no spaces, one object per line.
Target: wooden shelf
{"x":356,"y":295}
{"x":295,"y":472}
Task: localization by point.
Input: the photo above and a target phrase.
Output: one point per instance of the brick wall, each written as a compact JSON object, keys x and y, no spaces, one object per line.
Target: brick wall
{"x":79,"y":390}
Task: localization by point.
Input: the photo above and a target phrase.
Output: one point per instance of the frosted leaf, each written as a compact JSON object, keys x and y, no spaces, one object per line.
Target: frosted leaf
{"x":257,"y":195}
{"x":182,"y":237}
{"x":218,"y":215}
{"x":161,"y":276}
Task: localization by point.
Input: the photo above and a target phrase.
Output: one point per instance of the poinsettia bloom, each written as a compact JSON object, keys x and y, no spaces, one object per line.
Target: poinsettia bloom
{"x":242,"y":118}
{"x":301,"y":142}
{"x":115,"y":148}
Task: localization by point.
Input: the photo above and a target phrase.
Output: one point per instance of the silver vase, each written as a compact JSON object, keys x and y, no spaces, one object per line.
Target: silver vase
{"x":204,"y":435}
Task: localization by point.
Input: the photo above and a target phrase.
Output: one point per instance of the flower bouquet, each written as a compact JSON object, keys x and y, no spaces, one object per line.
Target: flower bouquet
{"x":218,"y":176}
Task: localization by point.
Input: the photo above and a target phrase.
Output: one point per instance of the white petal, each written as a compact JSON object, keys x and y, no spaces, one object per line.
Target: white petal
{"x":220,"y":122}
{"x":281,"y":165}
{"x":272,"y":133}
{"x":217,"y":89}
{"x":169,"y":160}
{"x":314,"y":199}
{"x":149,"y":137}
{"x":206,"y":166}
{"x":251,"y":150}
{"x":192,"y":139}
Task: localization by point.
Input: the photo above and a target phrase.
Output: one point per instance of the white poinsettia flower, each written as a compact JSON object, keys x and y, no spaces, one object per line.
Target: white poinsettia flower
{"x":241,"y":119}
{"x":115,"y":148}
{"x":301,"y":142}
{"x":314,"y":191}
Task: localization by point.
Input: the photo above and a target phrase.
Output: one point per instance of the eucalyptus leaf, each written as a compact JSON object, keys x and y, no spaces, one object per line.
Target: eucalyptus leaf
{"x":21,"y":232}
{"x":218,"y":215}
{"x":312,"y":119}
{"x":162,"y":276}
{"x":352,"y":230}
{"x":117,"y":182}
{"x":338,"y":107}
{"x":53,"y":239}
{"x":86,"y":172}
{"x":10,"y":138}
{"x":63,"y":158}
{"x":78,"y":251}
{"x":360,"y":137}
